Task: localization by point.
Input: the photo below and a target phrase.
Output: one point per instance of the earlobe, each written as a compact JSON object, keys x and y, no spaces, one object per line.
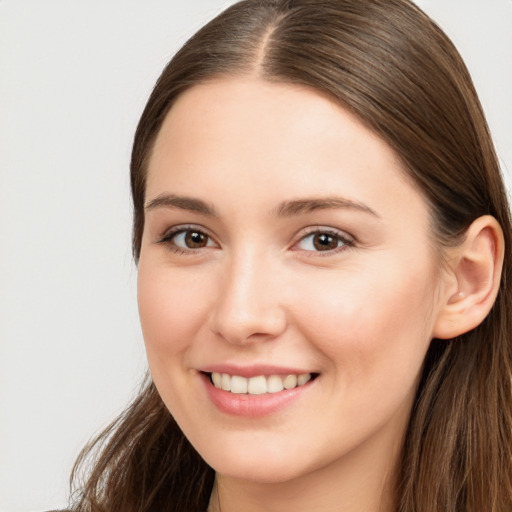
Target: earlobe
{"x":476,"y":266}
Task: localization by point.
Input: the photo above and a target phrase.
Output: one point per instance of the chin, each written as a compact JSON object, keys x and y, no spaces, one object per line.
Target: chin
{"x":269,"y":472}
{"x":259,"y":464}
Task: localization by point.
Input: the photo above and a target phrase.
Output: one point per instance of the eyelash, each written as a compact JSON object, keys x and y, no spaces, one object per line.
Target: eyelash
{"x":168,"y":239}
{"x":346,"y":241}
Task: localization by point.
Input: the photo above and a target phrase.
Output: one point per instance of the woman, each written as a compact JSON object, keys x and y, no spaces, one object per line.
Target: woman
{"x":322,"y":236}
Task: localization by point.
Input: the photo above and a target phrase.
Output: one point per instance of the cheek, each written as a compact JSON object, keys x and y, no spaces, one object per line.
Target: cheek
{"x":170,"y":307}
{"x":371,"y":323}
{"x":373,"y":335}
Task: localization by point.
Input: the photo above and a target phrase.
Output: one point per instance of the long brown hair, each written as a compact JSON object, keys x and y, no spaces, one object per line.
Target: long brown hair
{"x":389,"y":64}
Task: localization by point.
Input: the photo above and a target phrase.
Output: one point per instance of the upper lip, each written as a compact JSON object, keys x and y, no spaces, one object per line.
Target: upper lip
{"x":252,"y":370}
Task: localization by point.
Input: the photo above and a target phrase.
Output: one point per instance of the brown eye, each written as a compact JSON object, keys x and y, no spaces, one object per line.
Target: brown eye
{"x":325,"y":242}
{"x":195,"y":239}
{"x":188,"y":239}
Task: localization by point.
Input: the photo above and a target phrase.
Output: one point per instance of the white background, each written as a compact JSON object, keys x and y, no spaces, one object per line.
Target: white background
{"x":74,"y":77}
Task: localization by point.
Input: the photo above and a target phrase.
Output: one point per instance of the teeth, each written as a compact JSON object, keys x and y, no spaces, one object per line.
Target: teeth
{"x":303,"y":379}
{"x":217,"y":380}
{"x":238,"y":384}
{"x":225,"y":382}
{"x":258,"y":385}
{"x":275,"y":384}
{"x":290,"y":381}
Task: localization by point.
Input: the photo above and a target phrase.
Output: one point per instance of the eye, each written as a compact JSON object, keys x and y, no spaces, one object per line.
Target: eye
{"x":323,"y":241}
{"x":191,"y":239}
{"x":184,"y":239}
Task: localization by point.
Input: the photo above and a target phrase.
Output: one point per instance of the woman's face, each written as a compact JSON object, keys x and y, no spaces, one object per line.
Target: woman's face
{"x":283,"y":243}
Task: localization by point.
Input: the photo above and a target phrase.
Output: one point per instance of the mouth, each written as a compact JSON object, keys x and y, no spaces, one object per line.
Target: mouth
{"x":259,"y":384}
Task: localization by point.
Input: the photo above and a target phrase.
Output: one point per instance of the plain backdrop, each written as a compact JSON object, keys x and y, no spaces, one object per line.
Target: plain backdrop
{"x":74,"y":77}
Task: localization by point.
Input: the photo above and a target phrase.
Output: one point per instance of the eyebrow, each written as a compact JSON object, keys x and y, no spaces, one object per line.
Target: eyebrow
{"x":190,"y":204}
{"x":302,"y":206}
{"x":285,"y":209}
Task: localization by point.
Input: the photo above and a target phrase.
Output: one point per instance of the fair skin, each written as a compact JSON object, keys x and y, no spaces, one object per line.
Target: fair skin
{"x":282,"y":238}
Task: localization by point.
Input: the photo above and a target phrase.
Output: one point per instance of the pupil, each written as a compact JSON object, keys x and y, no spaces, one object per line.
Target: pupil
{"x":325,"y":242}
{"x":194,"y":239}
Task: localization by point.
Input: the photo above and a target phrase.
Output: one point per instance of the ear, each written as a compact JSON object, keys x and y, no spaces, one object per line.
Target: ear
{"x":475,"y":268}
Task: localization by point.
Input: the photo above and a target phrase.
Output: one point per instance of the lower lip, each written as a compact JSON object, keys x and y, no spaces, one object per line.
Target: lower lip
{"x":252,"y":406}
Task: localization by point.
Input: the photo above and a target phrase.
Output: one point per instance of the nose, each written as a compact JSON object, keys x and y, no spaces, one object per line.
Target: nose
{"x":248,"y":305}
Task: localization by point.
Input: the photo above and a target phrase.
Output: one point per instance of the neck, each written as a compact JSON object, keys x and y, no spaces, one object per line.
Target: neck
{"x":360,"y":482}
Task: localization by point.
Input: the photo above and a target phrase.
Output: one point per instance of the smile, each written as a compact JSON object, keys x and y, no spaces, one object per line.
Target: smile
{"x":258,"y":385}
{"x":259,"y":391}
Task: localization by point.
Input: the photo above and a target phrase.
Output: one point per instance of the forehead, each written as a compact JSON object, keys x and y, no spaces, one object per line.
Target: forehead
{"x":246,"y":136}
{"x":225,"y":105}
